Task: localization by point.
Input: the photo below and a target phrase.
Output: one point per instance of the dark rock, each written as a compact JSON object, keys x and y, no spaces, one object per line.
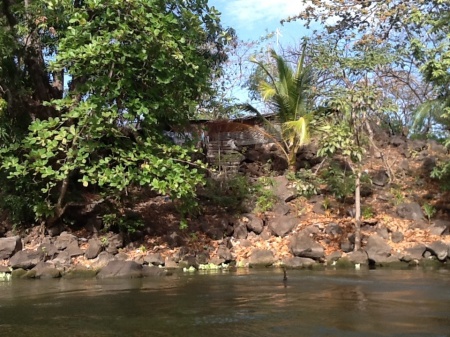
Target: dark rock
{"x":173,"y":240}
{"x":170,"y":263}
{"x":45,"y":270}
{"x":253,"y":223}
{"x":4,"y":269}
{"x":311,"y":230}
{"x":281,"y":208}
{"x":54,"y":230}
{"x":334,"y":256}
{"x":298,"y":262}
{"x":154,"y":259}
{"x":397,"y":237}
{"x":64,"y":240}
{"x":261,"y":257}
{"x":282,"y":225}
{"x":346,"y":246}
{"x":102,"y":260}
{"x":429,"y":164}
{"x":383,"y":232}
{"x":266,"y":234}
{"x":224,"y":253}
{"x":94,"y":248}
{"x":114,"y":243}
{"x":439,"y":249}
{"x":333,"y":229}
{"x":397,"y":141}
{"x":377,"y":249}
{"x":26,"y":259}
{"x":440,"y":227}
{"x":121,"y":269}
{"x":414,"y":253}
{"x":283,"y":190}
{"x":303,"y":246}
{"x":240,"y":231}
{"x":62,"y":259}
{"x":10,"y":246}
{"x":202,"y":258}
{"x":410,"y":211}
{"x":358,"y":257}
{"x":380,"y":178}
{"x":73,"y":249}
{"x":214,"y":227}
{"x":49,"y":249}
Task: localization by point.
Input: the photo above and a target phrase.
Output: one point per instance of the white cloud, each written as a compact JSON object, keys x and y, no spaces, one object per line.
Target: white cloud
{"x":250,"y":14}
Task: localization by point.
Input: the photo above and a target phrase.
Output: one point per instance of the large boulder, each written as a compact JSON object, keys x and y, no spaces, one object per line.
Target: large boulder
{"x":94,"y":248}
{"x":45,"y":270}
{"x":438,"y":249}
{"x":283,"y":189}
{"x":9,"y":246}
{"x":154,"y":259}
{"x":378,"y":250}
{"x":358,"y":257}
{"x":410,"y":211}
{"x":224,"y":253}
{"x":380,"y":178}
{"x":282,"y":225}
{"x":414,"y":253}
{"x":26,"y":259}
{"x":240,"y":230}
{"x":121,"y":269}
{"x":64,"y":240}
{"x":440,"y":227}
{"x":302,"y":245}
{"x":261,"y":257}
{"x":253,"y":223}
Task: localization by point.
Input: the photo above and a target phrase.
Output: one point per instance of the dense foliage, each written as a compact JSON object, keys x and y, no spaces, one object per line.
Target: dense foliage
{"x":87,"y":88}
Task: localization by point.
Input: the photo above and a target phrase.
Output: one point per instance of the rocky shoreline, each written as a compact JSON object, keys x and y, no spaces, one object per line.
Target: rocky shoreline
{"x":254,"y":245}
{"x":296,"y":233}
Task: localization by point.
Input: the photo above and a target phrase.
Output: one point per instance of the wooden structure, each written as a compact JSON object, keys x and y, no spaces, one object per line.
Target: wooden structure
{"x":225,"y":141}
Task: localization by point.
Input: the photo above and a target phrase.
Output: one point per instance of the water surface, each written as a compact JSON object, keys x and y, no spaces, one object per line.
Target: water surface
{"x":243,"y":303}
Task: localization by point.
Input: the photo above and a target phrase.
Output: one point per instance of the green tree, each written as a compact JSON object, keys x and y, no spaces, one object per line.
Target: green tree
{"x":135,"y":67}
{"x":287,"y":92}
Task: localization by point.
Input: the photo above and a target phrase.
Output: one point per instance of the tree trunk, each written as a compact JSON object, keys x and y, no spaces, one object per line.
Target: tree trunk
{"x":358,"y":211}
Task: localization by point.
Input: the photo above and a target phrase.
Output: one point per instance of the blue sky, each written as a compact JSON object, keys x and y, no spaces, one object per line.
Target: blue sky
{"x":252,"y":18}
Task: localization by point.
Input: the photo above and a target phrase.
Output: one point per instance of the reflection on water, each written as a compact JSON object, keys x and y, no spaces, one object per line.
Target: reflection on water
{"x":243,"y":303}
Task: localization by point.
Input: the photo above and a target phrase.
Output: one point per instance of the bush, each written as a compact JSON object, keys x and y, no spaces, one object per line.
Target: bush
{"x":306,"y":183}
{"x":265,"y":197}
{"x":229,"y":192}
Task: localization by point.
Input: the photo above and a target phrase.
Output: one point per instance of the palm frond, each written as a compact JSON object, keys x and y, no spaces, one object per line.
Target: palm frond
{"x":296,"y":133}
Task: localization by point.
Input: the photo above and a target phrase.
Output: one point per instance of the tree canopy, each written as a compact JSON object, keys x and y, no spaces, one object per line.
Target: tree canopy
{"x":87,"y":87}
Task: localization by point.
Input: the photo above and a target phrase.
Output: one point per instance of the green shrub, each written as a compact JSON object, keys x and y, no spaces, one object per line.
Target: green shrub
{"x":305,"y":182}
{"x":229,"y":192}
{"x":341,"y":182}
{"x":264,"y":194}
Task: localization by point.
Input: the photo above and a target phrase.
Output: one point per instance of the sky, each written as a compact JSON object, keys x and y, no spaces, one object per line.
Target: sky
{"x":254,"y":18}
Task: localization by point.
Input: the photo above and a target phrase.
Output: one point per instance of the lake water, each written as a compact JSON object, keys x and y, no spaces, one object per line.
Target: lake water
{"x":241,"y":303}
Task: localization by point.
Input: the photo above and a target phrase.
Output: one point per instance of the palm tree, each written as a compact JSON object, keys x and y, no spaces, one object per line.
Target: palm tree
{"x":287,"y":92}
